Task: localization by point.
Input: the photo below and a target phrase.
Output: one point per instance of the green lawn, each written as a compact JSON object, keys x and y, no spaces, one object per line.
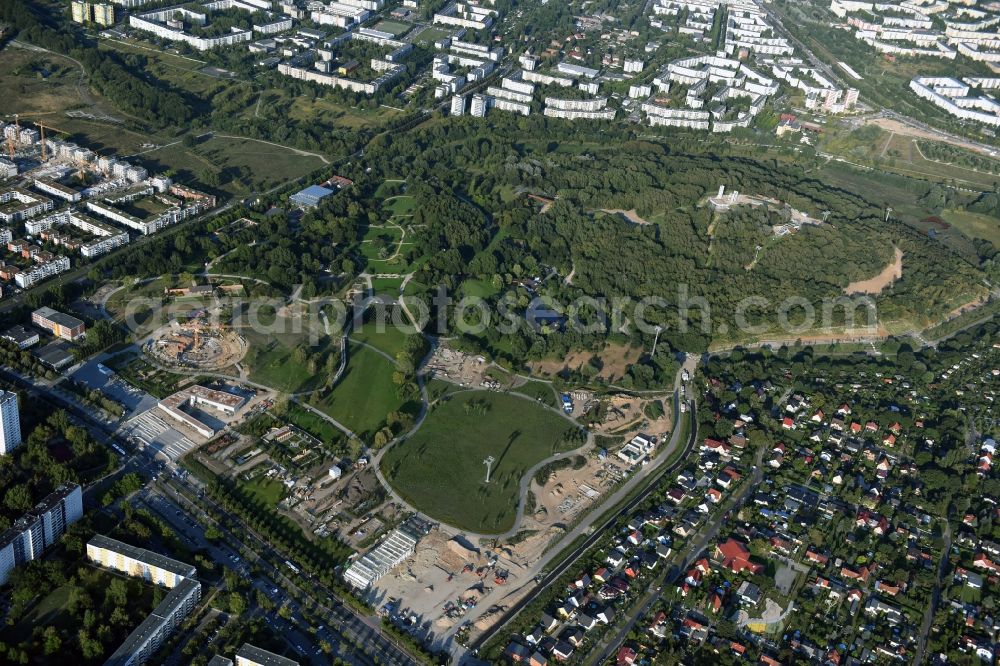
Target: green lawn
{"x":388,"y":338}
{"x":276,"y":365}
{"x":539,"y":391}
{"x":431,"y":35}
{"x":974,"y":225}
{"x":365,"y":394}
{"x":397,"y":28}
{"x":399,"y":205}
{"x":243,"y":164}
{"x":387,"y":285}
{"x":264,"y":490}
{"x":284,"y":356}
{"x":478,"y":289}
{"x":440,"y":469}
{"x":315,"y":425}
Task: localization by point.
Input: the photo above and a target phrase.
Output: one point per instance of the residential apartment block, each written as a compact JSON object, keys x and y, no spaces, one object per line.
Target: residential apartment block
{"x":38,"y":529}
{"x":185,"y":592}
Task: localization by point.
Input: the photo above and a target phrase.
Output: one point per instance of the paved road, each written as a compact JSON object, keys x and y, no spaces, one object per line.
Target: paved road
{"x":658,"y":472}
{"x":925,"y":626}
{"x":704,"y":537}
{"x":361,"y":629}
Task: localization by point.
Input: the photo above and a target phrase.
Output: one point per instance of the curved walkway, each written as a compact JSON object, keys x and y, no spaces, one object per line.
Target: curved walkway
{"x":523,"y":487}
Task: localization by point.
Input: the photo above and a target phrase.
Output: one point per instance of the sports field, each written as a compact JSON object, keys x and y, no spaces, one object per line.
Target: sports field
{"x":440,"y":468}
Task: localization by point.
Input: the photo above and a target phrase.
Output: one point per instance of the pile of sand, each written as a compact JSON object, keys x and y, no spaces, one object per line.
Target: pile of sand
{"x":460,"y":549}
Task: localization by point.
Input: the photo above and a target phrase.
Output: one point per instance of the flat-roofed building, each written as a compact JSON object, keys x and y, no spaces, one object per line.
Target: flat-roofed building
{"x":196,"y":396}
{"x":10,"y":422}
{"x":138,"y":562}
{"x":40,"y":528}
{"x":59,"y":324}
{"x":20,"y":336}
{"x":185,"y":592}
{"x":380,"y":560}
{"x":157,"y":627}
{"x":250,"y":655}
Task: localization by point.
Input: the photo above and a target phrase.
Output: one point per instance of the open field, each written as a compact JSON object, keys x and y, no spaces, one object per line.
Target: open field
{"x":240,"y":164}
{"x":432,"y":34}
{"x":402,"y":204}
{"x":397,"y":28}
{"x":315,"y":425}
{"x":613,"y":361}
{"x":264,"y":490}
{"x":876,"y":284}
{"x":893,"y":146}
{"x":440,"y":469}
{"x":388,"y":338}
{"x":366,"y":393}
{"x":540,"y":391}
{"x":974,"y":225}
{"x":283,"y":356}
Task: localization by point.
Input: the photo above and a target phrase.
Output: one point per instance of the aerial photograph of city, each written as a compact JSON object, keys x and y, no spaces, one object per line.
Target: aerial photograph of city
{"x":514,"y":332}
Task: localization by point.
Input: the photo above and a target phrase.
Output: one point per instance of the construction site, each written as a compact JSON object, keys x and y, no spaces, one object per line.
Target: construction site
{"x":196,"y":345}
{"x":453,"y":582}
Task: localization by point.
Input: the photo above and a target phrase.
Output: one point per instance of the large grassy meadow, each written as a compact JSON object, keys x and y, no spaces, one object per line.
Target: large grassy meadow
{"x":440,"y":468}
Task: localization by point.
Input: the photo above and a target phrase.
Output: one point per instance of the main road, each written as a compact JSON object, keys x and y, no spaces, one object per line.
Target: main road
{"x":705,"y":536}
{"x":649,"y":475}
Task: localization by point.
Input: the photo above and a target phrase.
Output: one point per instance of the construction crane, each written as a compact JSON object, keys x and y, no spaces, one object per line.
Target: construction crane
{"x":10,"y":139}
{"x":42,"y":128}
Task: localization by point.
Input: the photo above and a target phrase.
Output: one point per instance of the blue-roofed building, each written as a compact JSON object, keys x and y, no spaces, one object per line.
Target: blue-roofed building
{"x":311,"y":196}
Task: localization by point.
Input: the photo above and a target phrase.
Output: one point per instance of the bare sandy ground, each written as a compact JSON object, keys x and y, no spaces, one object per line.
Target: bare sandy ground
{"x":875,"y":285}
{"x":630,"y":215}
{"x":903,"y":129}
{"x":615,"y":359}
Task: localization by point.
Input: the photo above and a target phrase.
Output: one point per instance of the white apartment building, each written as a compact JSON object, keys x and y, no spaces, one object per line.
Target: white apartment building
{"x":40,"y":528}
{"x":10,"y":423}
{"x":8,"y":169}
{"x":138,"y":562}
{"x":465,"y":15}
{"x":23,"y":204}
{"x":479,"y":106}
{"x":510,"y":95}
{"x":39,"y":272}
{"x":954,"y":97}
{"x":510,"y":105}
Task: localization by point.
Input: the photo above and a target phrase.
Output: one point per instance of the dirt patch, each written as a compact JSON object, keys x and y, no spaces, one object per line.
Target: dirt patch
{"x":614,"y":361}
{"x":630,"y":215}
{"x":962,"y":309}
{"x":903,"y":129}
{"x":875,"y":285}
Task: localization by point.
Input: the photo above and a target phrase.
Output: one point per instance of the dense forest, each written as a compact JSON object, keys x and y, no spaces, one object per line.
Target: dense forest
{"x":673,"y":255}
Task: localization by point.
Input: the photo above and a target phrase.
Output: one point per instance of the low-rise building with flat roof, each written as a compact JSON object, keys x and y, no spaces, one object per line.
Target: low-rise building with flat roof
{"x":311,"y":196}
{"x":250,"y":655}
{"x":59,"y":324}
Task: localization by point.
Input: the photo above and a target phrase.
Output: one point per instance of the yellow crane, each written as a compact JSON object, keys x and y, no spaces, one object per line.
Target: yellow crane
{"x":42,"y":128}
{"x":10,"y":139}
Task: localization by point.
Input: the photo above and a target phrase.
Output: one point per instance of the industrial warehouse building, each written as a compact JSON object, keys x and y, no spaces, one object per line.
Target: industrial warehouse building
{"x":395,"y":548}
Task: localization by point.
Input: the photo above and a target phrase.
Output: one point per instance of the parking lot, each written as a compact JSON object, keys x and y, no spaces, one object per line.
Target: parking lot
{"x":150,"y":431}
{"x":96,"y":376}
